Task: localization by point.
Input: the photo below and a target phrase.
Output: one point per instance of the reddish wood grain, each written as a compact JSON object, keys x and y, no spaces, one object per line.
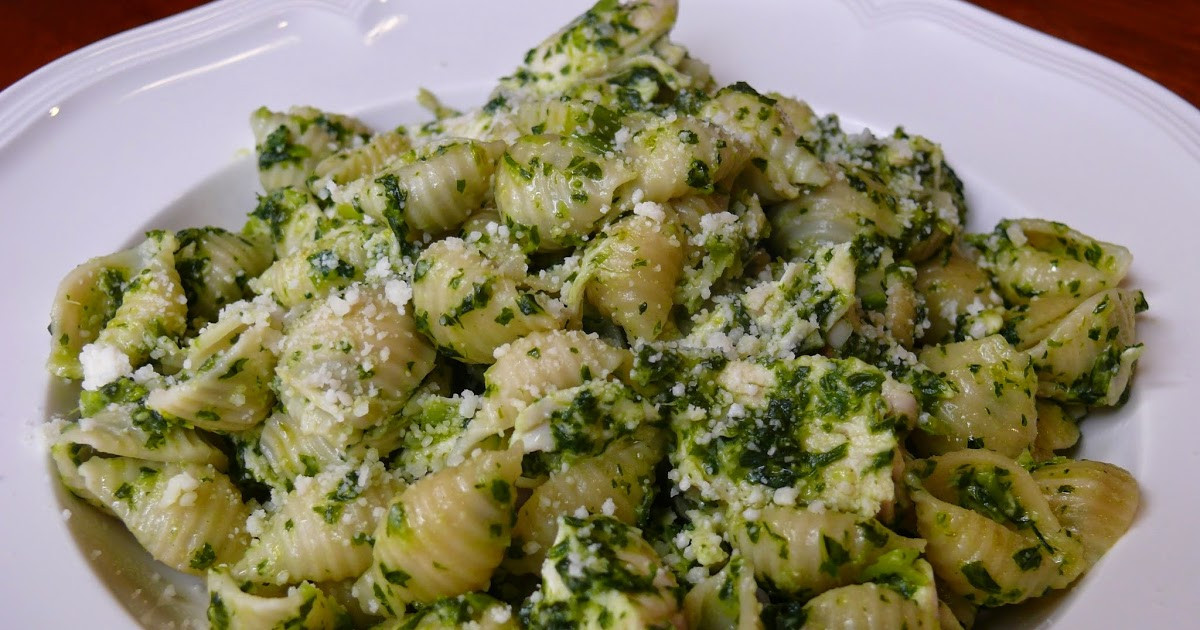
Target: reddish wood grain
{"x":35,"y":32}
{"x":1160,"y":39}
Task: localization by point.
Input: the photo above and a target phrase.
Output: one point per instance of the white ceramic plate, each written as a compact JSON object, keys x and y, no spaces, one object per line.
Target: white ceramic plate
{"x":149,"y":129}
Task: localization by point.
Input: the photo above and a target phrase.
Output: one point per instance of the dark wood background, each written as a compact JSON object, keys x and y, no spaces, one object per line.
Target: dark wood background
{"x":1159,"y":38}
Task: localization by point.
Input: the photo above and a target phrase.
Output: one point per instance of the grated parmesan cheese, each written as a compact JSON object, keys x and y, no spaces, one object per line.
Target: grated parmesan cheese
{"x":180,"y":490}
{"x":102,"y":364}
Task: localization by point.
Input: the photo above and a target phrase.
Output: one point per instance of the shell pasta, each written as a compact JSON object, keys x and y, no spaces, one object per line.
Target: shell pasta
{"x":627,"y":345}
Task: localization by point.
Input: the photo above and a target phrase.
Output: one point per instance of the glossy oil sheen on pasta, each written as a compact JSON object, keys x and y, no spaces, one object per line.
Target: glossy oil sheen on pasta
{"x":628,"y":346}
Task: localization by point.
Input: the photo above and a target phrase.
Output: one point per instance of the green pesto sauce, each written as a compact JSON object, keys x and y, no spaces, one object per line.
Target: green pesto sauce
{"x":452,"y":611}
{"x":121,"y":391}
{"x":277,"y":209}
{"x":979,"y":577}
{"x":346,"y":490}
{"x":897,"y":570}
{"x":325,"y":264}
{"x":587,"y":560}
{"x":394,"y":207}
{"x":766,"y":446}
{"x":280,"y":148}
{"x":988,"y":491}
{"x":218,"y":614}
{"x":784,"y":615}
{"x":203,"y":558}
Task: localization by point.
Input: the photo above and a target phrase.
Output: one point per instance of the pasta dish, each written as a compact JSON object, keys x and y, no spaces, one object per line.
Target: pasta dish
{"x":626,"y":346}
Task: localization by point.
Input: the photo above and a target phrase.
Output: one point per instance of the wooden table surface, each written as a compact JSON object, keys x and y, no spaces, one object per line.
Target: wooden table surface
{"x":1160,"y":39}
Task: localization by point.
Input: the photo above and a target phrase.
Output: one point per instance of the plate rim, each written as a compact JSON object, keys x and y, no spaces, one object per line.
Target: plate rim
{"x":23,"y":102}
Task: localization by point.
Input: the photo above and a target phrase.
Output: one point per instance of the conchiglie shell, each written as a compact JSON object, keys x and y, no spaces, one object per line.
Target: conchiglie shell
{"x":291,"y":218}
{"x":304,"y":607}
{"x":533,"y":366}
{"x":630,"y":27}
{"x":433,"y":190}
{"x":790,"y":547}
{"x":188,"y":516}
{"x":469,"y":308}
{"x":952,"y":285}
{"x":990,"y":562}
{"x":112,"y":432}
{"x":556,"y":190}
{"x":990,"y":402}
{"x":85,"y":300}
{"x":225,"y":385}
{"x":614,"y":482}
{"x":725,"y":601}
{"x":866,"y":607}
{"x":153,"y":306}
{"x":832,"y":214}
{"x":277,"y":451}
{"x":668,"y":156}
{"x":958,"y":537}
{"x":599,"y":546}
{"x":1036,"y":258}
{"x":321,"y":532}
{"x":580,"y":421}
{"x":353,"y":163}
{"x":214,"y":266}
{"x":1089,"y":355}
{"x":336,"y":260}
{"x":1095,"y":500}
{"x":308,"y":135}
{"x":631,"y":273}
{"x":555,"y":116}
{"x":784,"y":168}
{"x":445,"y":534}
{"x":351,"y":361}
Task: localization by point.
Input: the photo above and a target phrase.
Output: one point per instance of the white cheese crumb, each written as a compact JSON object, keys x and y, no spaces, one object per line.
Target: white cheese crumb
{"x":608,"y":508}
{"x":469,"y":405}
{"x":500,"y":351}
{"x":102,"y":364}
{"x":144,"y":375}
{"x":398,"y":292}
{"x":381,"y":269}
{"x":650,"y":210}
{"x":500,"y":614}
{"x":1016,"y":234}
{"x":786,"y":496}
{"x":339,"y":306}
{"x":620,"y":138}
{"x":696,"y":574}
{"x":255,"y":525}
{"x":180,"y":490}
{"x":302,"y":483}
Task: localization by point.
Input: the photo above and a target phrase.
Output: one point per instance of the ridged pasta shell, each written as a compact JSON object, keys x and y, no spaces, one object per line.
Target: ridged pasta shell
{"x":445,"y":534}
{"x":189,"y":517}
